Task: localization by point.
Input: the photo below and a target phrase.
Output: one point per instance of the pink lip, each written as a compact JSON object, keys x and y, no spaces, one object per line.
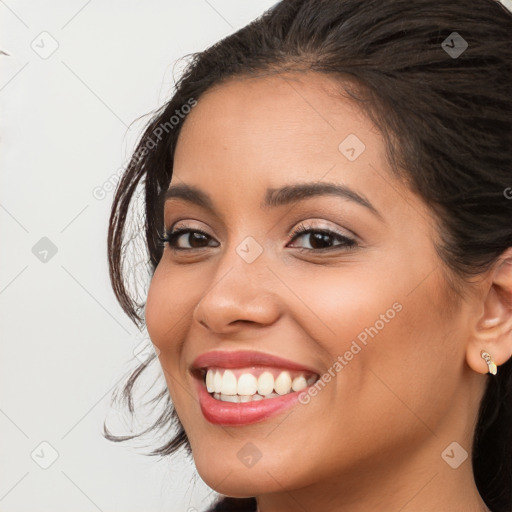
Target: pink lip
{"x":238,"y":414}
{"x":245,"y":358}
{"x":245,"y":413}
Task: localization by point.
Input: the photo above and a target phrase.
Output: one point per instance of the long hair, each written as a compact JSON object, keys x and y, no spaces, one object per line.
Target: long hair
{"x":436,"y":79}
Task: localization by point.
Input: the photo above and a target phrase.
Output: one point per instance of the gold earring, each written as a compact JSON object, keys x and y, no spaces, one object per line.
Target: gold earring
{"x":490,"y":363}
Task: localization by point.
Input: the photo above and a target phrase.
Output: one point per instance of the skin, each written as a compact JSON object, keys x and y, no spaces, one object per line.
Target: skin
{"x":372,"y":438}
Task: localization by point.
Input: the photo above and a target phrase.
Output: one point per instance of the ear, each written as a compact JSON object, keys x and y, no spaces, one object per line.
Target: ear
{"x":493,"y":330}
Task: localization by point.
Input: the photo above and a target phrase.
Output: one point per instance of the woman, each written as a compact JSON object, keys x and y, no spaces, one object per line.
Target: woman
{"x":328,"y":220}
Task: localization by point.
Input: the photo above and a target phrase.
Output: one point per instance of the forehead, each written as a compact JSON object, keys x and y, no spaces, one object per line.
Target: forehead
{"x":296,"y":120}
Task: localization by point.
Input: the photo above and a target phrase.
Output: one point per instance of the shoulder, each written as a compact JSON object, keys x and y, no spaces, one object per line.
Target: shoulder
{"x":234,"y":505}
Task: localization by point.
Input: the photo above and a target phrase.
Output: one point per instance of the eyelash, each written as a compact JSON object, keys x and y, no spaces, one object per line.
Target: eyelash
{"x":347,"y":243}
{"x":301,"y":229}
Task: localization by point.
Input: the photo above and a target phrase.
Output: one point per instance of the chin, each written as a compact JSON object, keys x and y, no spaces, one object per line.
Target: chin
{"x":237,"y":482}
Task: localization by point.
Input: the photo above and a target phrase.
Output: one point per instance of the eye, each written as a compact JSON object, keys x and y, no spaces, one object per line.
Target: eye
{"x":199,"y":239}
{"x":321,"y":239}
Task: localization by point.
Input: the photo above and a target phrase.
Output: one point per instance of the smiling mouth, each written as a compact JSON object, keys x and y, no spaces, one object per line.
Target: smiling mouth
{"x":239,"y":385}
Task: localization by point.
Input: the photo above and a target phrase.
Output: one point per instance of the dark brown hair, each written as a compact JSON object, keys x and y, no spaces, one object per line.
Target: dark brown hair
{"x":447,"y":123}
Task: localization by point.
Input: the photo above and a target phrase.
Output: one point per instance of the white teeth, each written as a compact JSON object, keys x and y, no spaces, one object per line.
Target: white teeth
{"x":229,"y":398}
{"x":247,"y":384}
{"x":265,"y":383}
{"x":229,"y":385}
{"x":209,"y":382}
{"x":225,"y":386}
{"x":283,"y":383}
{"x":217,"y":381}
{"x":299,"y":383}
{"x":243,"y":398}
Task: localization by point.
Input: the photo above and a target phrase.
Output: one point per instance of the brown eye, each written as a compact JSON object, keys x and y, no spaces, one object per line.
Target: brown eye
{"x":322,"y":239}
{"x":196,"y":239}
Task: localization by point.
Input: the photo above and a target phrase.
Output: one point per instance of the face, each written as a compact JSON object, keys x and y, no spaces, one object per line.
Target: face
{"x":353,"y":311}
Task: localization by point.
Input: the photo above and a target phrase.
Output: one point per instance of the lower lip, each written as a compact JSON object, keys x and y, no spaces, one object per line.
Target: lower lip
{"x":244,"y":413}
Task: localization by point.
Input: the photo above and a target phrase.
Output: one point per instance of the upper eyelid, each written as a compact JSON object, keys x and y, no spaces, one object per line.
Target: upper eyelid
{"x":308,"y":226}
{"x":175,"y":226}
{"x":308,"y":220}
{"x":300,"y":229}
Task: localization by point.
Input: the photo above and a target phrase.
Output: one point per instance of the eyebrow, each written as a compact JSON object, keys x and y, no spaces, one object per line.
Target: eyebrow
{"x":275,"y":197}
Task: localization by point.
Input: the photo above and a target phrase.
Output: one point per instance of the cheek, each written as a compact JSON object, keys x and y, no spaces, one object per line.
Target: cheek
{"x":387,"y":342}
{"x":166,"y":326}
{"x":340,"y":305}
{"x":173,"y":294}
{"x":404,"y":372}
{"x":164,"y":312}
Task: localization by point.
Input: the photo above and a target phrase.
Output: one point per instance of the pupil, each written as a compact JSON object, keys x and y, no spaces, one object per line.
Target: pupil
{"x":196,"y":237}
{"x":321,"y":238}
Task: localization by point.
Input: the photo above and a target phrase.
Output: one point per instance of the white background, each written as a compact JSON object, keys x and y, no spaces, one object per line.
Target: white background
{"x":66,"y":127}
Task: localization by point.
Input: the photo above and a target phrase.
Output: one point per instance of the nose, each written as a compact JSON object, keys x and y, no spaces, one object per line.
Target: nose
{"x":239,"y":294}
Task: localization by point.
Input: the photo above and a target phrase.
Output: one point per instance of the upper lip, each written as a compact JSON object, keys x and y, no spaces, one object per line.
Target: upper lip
{"x":245,"y":358}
